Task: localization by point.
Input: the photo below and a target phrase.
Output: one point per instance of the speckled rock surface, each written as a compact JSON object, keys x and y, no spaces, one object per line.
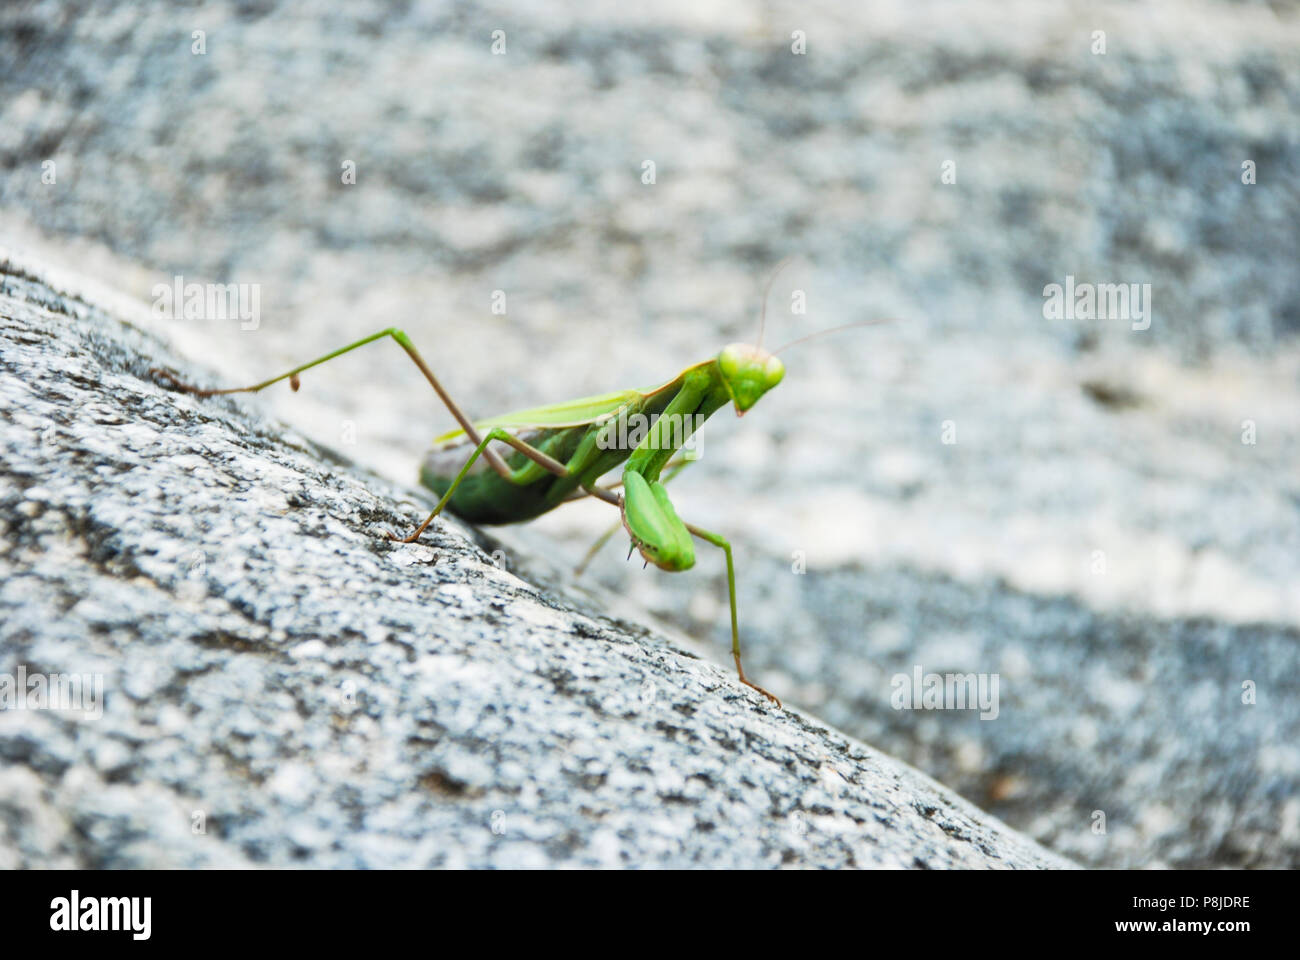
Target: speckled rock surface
{"x":1098,"y":534}
{"x":283,"y":686}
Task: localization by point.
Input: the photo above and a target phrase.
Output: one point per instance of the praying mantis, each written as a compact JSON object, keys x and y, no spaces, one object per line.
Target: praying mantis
{"x":562,"y":451}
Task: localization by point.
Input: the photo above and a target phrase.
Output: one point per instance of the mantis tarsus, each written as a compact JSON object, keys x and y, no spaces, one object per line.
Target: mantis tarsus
{"x":561,"y":451}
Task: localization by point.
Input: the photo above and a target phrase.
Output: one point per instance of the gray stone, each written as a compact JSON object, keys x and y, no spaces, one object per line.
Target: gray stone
{"x":284,"y":686}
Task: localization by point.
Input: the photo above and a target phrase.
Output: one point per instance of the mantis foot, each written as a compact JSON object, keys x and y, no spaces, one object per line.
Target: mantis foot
{"x":177,"y":383}
{"x":754,"y":686}
{"x":740,"y":672}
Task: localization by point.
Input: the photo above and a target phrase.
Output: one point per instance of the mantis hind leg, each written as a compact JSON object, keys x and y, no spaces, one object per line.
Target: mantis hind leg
{"x":722,"y":543}
{"x":404,"y":342}
{"x":596,"y":547}
{"x":524,"y":474}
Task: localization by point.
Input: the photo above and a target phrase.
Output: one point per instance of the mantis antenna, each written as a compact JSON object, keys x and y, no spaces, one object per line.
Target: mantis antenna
{"x":767,"y":290}
{"x":819,"y":333}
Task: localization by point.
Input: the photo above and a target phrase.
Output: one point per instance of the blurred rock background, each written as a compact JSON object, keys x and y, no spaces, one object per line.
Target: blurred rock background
{"x":1099,"y":534}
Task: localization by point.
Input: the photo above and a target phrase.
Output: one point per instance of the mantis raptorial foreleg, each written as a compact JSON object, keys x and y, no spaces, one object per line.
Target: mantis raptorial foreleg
{"x":670,"y":471}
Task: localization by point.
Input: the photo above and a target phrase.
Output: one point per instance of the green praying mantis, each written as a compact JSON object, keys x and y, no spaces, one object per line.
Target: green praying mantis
{"x":562,"y":451}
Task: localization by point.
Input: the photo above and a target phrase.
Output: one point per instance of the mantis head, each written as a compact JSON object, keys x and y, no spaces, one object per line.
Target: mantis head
{"x":748,"y":372}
